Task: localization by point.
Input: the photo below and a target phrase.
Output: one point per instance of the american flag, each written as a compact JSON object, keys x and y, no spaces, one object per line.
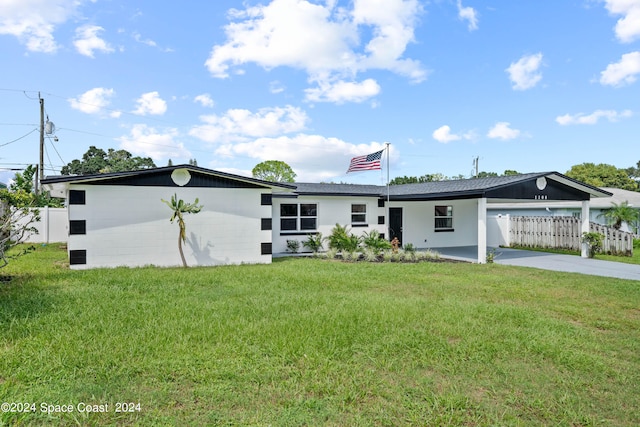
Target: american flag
{"x":366,"y":163}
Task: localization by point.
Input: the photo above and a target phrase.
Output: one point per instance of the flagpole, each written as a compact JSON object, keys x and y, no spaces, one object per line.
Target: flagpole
{"x":388,"y":208}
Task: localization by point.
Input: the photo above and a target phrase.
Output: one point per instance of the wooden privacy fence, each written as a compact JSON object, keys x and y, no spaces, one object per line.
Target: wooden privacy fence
{"x":564,"y":232}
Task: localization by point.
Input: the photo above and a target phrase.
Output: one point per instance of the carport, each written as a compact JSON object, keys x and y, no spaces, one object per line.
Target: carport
{"x":543,"y":187}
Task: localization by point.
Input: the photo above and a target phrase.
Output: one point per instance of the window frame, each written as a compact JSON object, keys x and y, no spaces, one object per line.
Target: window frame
{"x":443,"y":222}
{"x":356,"y":213}
{"x":305,"y":219}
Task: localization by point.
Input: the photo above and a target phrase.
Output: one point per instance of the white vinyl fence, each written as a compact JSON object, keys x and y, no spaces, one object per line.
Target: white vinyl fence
{"x":52,"y":227}
{"x":563,"y":232}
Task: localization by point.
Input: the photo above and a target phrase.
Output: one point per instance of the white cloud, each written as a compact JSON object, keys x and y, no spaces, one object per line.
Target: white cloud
{"x":205,"y":100}
{"x":443,"y":134}
{"x":241,"y":125}
{"x":138,"y":37}
{"x":628,"y":27}
{"x":87,"y":41}
{"x":593,"y":118}
{"x":524,"y":73}
{"x":33,"y":22}
{"x":314,"y":158}
{"x":502,"y":131}
{"x":469,"y":14}
{"x":276,"y":87}
{"x":149,"y":142}
{"x":622,"y":72}
{"x":284,"y":33}
{"x":150,"y":103}
{"x":392,"y":23}
{"x":340,"y":92}
{"x":94,"y":101}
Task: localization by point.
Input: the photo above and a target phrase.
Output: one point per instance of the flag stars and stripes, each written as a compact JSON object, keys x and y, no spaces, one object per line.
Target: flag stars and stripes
{"x":366,"y":163}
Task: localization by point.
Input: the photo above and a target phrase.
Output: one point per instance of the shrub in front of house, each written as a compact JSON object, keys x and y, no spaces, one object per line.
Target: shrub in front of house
{"x":314,"y":242}
{"x":293,"y":246}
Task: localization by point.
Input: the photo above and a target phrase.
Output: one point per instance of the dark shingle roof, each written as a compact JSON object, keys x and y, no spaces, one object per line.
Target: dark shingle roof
{"x":304,"y":188}
{"x":460,"y":188}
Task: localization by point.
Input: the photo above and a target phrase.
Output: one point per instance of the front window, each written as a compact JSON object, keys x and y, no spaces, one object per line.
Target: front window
{"x":308,"y":216}
{"x":358,"y":214}
{"x":443,"y":217}
{"x":295,"y":217}
{"x":288,"y":217}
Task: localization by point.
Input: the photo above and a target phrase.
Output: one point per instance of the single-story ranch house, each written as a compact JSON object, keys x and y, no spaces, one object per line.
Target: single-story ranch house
{"x":118,"y":219}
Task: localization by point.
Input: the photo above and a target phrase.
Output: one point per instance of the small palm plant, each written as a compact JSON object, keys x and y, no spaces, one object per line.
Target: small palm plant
{"x":179,"y":208}
{"x":619,"y":213}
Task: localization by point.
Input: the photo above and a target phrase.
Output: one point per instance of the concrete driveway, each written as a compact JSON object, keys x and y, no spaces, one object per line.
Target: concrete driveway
{"x":548,"y":261}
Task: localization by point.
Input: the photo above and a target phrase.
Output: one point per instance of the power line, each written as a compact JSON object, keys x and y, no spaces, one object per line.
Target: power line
{"x":18,"y":139}
{"x":56,"y":150}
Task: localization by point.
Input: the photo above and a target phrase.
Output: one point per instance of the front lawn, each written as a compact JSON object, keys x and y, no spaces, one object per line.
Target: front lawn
{"x":317,"y":342}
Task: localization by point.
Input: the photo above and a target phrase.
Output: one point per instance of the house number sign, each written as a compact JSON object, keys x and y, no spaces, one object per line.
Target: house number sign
{"x":541,"y":183}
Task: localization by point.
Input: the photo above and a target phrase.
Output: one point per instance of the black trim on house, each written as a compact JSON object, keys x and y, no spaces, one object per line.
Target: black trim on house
{"x":266,"y":248}
{"x":528,"y":190}
{"x":77,"y":197}
{"x":308,"y":233}
{"x":77,"y":226}
{"x":266,"y":199}
{"x":163,"y":179}
{"x":200,"y":177}
{"x":78,"y":257}
{"x":266,"y":224}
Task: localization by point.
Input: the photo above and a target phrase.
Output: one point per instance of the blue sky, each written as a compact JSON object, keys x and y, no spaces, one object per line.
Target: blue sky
{"x":525,"y":85}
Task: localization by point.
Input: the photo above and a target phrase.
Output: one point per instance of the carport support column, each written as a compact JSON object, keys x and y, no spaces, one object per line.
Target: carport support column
{"x":585,"y":227}
{"x":482,"y":230}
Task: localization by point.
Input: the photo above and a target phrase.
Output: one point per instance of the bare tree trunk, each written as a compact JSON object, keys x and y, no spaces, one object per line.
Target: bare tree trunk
{"x":184,"y":261}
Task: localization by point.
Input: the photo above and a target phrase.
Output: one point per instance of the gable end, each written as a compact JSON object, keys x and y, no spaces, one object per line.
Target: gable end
{"x":163,"y":179}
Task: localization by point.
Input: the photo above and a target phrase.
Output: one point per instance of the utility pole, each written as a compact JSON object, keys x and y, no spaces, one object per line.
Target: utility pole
{"x":475,"y":165}
{"x":40,"y":177}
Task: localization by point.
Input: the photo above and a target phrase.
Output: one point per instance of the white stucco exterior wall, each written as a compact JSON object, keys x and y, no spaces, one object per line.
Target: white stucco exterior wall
{"x":129,"y":226}
{"x":332,"y":210}
{"x":419,"y":223}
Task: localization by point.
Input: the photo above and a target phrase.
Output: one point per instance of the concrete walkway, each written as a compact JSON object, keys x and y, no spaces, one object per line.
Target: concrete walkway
{"x":548,"y":261}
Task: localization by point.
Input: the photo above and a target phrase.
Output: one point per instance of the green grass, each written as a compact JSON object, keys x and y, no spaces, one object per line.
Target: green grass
{"x":317,"y":342}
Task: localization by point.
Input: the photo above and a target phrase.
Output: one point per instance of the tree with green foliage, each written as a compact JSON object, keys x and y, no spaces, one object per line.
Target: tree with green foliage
{"x":96,"y":160}
{"x":17,"y":216}
{"x":180,"y":208}
{"x":418,"y":179}
{"x":620,"y":213}
{"x":634,"y":173}
{"x":510,"y":172}
{"x":274,"y":171}
{"x":486,"y":174}
{"x":25,"y":181}
{"x":602,"y":175}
